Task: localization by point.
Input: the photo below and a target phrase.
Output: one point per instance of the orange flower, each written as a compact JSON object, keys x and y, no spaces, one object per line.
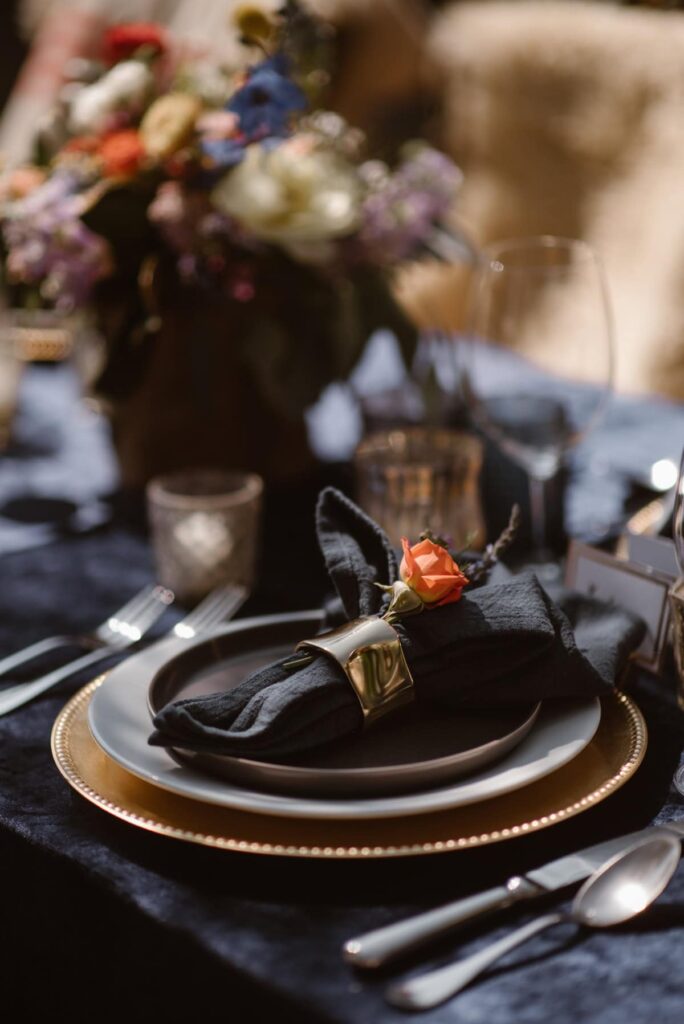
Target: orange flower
{"x":429,"y":570}
{"x":121,"y":153}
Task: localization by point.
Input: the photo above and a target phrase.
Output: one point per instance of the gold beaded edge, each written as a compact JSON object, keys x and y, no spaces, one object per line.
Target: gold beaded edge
{"x":65,"y":764}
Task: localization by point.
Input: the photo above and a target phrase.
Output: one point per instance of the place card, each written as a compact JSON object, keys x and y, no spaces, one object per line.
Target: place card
{"x":639,"y":588}
{"x":656,"y":553}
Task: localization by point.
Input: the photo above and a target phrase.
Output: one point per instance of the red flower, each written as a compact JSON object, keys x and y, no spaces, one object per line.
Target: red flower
{"x":121,"y":41}
{"x":121,"y":153}
{"x":181,"y":164}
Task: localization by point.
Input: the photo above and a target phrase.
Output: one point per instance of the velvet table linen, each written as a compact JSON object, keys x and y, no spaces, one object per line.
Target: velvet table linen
{"x":105,"y":922}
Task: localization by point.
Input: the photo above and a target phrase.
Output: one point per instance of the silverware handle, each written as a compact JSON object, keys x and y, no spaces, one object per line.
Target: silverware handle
{"x":27,"y":654}
{"x":384,"y":944}
{"x":14,"y":696}
{"x":436,"y":987}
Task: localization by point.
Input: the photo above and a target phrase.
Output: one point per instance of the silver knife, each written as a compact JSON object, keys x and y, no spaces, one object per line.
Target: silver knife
{"x":385,"y":944}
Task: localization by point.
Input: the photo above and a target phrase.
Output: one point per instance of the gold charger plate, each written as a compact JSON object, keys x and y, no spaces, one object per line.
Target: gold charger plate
{"x":611,"y":758}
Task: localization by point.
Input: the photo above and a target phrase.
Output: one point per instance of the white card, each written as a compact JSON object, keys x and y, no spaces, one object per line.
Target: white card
{"x":635,"y":587}
{"x":656,"y":552}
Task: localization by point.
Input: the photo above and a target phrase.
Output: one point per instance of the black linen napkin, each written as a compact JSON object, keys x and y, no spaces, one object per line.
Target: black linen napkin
{"x":498,"y":645}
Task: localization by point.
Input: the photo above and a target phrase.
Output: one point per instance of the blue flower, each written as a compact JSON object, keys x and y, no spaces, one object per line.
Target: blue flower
{"x":267,"y":100}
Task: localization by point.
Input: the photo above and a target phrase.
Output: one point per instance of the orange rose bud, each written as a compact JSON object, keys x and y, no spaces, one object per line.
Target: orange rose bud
{"x":429,"y":570}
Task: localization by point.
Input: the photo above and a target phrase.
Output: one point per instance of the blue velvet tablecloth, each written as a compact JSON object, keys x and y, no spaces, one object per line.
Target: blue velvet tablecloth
{"x":105,"y":922}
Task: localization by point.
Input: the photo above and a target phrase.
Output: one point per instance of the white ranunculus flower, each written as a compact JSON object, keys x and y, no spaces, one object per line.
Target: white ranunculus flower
{"x":291,"y":195}
{"x":125,"y":85}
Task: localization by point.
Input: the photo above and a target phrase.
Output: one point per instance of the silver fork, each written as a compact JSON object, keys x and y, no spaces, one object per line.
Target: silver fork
{"x":124,"y":631}
{"x":119,"y":625}
{"x":220,"y":605}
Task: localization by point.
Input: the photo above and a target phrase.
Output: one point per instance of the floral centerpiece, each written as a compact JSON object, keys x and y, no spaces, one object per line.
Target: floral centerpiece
{"x":233,"y":236}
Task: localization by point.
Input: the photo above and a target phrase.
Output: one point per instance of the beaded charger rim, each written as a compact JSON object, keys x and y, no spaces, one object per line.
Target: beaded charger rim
{"x":610,"y":759}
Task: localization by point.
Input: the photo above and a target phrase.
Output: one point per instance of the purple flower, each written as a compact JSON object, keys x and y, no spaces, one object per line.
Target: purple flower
{"x":401,"y":209}
{"x":199,"y":234}
{"x":268,"y":99}
{"x":434,"y":176}
{"x":49,"y":245}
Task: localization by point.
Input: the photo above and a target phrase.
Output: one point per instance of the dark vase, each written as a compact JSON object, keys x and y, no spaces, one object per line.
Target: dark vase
{"x":194,"y":377}
{"x":179,"y":393}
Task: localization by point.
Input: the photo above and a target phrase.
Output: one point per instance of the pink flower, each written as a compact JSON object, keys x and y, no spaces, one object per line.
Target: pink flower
{"x":218,"y":124}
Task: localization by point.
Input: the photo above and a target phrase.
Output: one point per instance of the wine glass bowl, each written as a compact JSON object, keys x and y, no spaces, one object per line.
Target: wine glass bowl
{"x":537,"y":358}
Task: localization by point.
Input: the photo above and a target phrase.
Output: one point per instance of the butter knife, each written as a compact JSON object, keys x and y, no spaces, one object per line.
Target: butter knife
{"x":376,"y":948}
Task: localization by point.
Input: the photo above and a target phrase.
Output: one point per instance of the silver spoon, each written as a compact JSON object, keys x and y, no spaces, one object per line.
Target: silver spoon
{"x":618,"y":891}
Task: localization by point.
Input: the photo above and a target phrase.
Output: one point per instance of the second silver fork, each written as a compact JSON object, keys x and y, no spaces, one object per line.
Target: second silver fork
{"x":124,"y":624}
{"x":220,"y":605}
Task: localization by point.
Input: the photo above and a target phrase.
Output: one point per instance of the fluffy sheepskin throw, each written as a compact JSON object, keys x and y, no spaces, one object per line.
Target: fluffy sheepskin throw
{"x":567,"y":118}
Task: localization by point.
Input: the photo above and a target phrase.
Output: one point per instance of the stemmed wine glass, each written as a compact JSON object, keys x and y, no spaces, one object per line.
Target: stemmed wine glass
{"x":537,"y":359}
{"x":677,"y":602}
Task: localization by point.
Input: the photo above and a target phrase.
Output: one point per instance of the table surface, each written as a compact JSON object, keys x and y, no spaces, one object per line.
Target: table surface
{"x":103,"y":920}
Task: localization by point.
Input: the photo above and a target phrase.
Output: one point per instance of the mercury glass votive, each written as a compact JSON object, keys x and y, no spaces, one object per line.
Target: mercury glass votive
{"x":11,"y":368}
{"x":417,"y":478}
{"x":205,"y":529}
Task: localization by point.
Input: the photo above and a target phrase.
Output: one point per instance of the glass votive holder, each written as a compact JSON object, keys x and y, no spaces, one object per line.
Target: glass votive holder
{"x":205,"y":529}
{"x":12,"y":363}
{"x":417,"y":478}
{"x":676,"y":596}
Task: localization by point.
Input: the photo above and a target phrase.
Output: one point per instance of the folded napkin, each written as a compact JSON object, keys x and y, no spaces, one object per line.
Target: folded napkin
{"x":496,"y":646}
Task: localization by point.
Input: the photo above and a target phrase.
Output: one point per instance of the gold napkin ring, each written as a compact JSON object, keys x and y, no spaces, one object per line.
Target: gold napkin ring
{"x":370,"y":654}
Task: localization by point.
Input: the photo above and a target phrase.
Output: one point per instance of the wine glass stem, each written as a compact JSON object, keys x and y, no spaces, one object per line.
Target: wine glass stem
{"x":538,"y":514}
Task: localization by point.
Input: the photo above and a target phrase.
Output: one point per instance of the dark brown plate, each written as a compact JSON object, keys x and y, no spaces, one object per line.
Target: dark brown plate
{"x":417,"y":747}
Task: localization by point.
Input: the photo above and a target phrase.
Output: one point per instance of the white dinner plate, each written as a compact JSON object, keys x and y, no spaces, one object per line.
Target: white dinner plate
{"x":120,"y":723}
{"x":418,"y":746}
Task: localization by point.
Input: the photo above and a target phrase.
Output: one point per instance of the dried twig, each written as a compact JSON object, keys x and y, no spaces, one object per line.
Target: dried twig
{"x":477,"y":570}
